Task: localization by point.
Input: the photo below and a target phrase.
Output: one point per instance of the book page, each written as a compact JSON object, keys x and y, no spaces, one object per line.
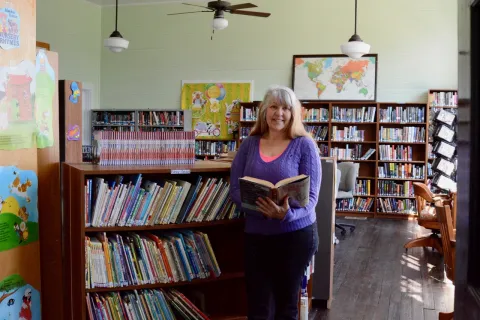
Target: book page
{"x":259,"y":181}
{"x":298,"y":192}
{"x":290,"y":180}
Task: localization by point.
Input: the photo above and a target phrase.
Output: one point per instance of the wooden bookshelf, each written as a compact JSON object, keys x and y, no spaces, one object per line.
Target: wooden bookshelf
{"x":138,"y":120}
{"x":369,"y":168}
{"x":225,"y":237}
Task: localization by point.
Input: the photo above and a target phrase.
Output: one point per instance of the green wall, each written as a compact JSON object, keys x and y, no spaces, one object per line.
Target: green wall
{"x":73,"y":29}
{"x":416,"y":42}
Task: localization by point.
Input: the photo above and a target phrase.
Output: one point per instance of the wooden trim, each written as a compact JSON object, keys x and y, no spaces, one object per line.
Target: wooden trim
{"x":43,"y":45}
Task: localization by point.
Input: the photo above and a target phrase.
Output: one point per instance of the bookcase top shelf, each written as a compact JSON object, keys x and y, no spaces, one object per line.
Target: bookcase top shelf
{"x":198,"y":166}
{"x":224,"y":276}
{"x":224,"y":222}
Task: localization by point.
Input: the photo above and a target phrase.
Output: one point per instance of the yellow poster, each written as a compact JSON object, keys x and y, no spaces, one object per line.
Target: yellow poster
{"x":215,"y":106}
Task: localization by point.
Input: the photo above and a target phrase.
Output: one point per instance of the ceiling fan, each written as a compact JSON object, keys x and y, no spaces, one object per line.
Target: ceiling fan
{"x":220,"y":7}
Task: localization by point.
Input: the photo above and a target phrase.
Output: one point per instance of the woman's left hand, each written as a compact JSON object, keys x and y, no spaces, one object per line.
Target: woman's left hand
{"x":271,"y":210}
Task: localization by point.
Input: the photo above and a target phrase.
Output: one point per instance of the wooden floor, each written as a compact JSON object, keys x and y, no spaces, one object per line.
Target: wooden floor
{"x":376,"y":279}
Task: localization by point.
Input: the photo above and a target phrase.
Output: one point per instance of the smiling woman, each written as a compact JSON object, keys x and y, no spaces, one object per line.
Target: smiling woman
{"x":280,"y":239}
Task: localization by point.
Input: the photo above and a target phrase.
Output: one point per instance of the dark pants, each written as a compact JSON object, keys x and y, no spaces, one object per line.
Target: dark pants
{"x":274,"y":269}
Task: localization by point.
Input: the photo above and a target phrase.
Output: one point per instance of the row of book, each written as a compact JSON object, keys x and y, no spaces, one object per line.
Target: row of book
{"x":392,"y":205}
{"x":245,"y":132}
{"x":393,"y":188}
{"x":348,"y":153}
{"x":142,"y":304}
{"x":319,"y":133}
{"x":362,"y":187}
{"x":405,"y":134}
{"x":443,"y":99}
{"x":248,"y":114}
{"x":350,"y":133}
{"x":402,"y":114}
{"x":401,"y":170}
{"x":144,"y":148}
{"x":118,"y":260}
{"x":314,"y":114}
{"x":362,"y":114}
{"x":164,"y":118}
{"x":323,"y":149}
{"x":147,"y":203}
{"x":159,"y":128}
{"x":213,"y":148}
{"x":395,"y":152}
{"x":101,"y":127}
{"x":355,"y":204}
{"x":113,"y":118}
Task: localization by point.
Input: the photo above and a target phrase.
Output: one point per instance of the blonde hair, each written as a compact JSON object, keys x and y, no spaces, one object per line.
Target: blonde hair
{"x":281,"y":96}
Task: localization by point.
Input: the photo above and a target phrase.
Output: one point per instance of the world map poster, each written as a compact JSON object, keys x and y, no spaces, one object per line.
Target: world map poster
{"x":334,"y":78}
{"x":215,"y":107}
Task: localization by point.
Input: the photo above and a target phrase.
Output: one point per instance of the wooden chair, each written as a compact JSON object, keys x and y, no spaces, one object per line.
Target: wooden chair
{"x":448,"y":235}
{"x":427,"y":217}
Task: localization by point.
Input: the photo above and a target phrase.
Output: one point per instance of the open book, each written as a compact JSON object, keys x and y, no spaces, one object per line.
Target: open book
{"x":297,"y":188}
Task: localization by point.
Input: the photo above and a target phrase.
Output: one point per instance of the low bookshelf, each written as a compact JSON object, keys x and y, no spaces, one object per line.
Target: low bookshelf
{"x":194,"y":256}
{"x":388,"y":140}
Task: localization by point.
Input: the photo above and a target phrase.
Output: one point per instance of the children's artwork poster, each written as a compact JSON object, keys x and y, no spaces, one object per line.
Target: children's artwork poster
{"x":73,"y":133}
{"x":9,"y":28}
{"x":18,"y":299}
{"x":18,"y":207}
{"x":17,"y":74}
{"x":44,"y":99}
{"x":17,"y":112}
{"x":215,"y":106}
{"x":75,"y":92}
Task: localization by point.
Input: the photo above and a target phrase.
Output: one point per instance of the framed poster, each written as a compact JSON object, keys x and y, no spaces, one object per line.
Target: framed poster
{"x":215,"y":106}
{"x":335,"y":77}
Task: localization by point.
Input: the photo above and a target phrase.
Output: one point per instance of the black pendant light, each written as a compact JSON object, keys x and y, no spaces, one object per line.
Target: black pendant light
{"x":116,"y":43}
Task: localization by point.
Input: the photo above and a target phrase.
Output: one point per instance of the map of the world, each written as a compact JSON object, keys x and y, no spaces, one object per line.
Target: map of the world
{"x":335,"y":78}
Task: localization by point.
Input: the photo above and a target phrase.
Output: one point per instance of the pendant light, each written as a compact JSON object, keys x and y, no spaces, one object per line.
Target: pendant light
{"x":355,"y":47}
{"x":115,"y":42}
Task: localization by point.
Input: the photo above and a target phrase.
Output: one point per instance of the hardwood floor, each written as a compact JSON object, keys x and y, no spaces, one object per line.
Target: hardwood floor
{"x":376,"y":279}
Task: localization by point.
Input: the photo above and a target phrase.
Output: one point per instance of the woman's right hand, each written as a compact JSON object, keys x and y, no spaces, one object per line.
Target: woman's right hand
{"x":271,"y":210}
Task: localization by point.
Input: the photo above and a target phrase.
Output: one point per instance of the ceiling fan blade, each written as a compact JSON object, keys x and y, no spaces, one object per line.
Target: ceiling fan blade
{"x":173,"y":14}
{"x":195,"y":5}
{"x":251,"y":13}
{"x":242,"y":6}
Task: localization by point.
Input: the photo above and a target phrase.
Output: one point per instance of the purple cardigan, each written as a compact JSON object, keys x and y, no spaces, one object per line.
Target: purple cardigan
{"x":300,"y":157}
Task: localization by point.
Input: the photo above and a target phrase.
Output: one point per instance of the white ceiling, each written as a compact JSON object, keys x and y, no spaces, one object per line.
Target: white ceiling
{"x":106,"y":3}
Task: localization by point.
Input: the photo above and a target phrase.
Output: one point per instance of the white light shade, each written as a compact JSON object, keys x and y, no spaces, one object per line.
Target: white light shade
{"x":116,"y":44}
{"x":355,"y":49}
{"x":220,"y":23}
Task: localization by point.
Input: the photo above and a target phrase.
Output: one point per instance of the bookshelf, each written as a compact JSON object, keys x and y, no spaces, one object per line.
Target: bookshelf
{"x":158,"y":120}
{"x":351,"y":131}
{"x":139,"y":120}
{"x":446,"y":100}
{"x":225,"y":238}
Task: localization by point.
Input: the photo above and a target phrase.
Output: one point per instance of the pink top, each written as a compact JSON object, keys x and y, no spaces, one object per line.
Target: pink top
{"x":268,"y":158}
